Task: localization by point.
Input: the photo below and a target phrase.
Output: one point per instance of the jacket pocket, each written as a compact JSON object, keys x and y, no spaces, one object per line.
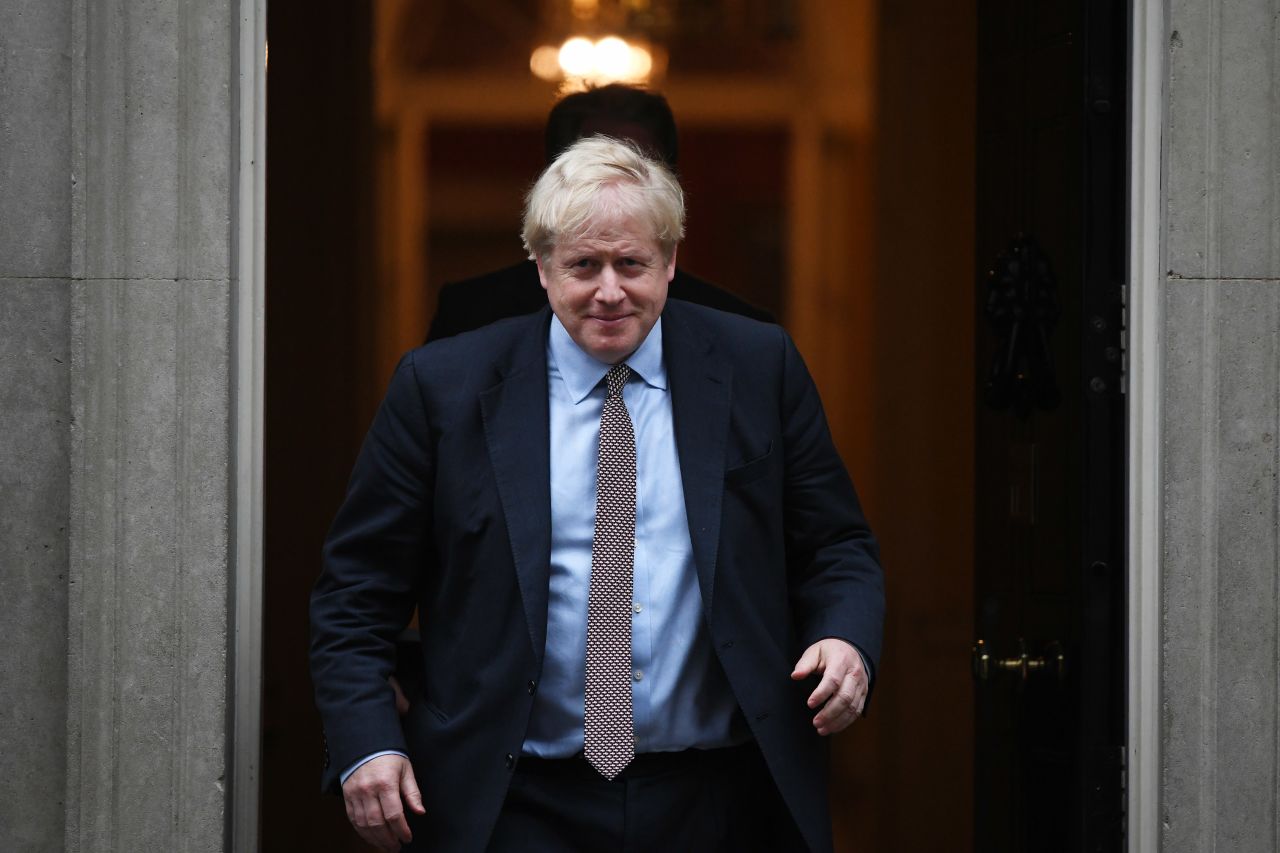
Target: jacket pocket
{"x":434,"y":710}
{"x":750,"y":470}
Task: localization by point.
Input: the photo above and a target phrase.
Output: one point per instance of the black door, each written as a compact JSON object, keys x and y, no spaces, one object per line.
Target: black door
{"x":1050,"y":431}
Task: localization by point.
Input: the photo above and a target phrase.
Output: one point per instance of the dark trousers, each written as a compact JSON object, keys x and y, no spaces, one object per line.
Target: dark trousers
{"x":713,"y":800}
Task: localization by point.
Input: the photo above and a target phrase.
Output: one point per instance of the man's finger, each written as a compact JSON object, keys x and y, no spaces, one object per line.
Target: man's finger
{"x":809,"y":661}
{"x":380,"y":837}
{"x":847,"y":699}
{"x":366,"y":817}
{"x":402,"y":704}
{"x":845,"y":708}
{"x":375,"y":829}
{"x":826,"y":687}
{"x":355,"y":811}
{"x":393,"y":815}
{"x":839,"y":702}
{"x":409,"y":790}
{"x":837,"y":723}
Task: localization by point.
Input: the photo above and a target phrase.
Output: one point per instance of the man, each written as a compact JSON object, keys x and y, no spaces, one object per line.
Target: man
{"x":631,"y":542}
{"x":617,"y":110}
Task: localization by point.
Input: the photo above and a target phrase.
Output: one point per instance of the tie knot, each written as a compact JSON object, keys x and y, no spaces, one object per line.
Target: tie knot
{"x":616,"y":378}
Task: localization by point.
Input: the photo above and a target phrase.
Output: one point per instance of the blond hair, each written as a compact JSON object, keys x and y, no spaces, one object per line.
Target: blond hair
{"x":596,"y":180}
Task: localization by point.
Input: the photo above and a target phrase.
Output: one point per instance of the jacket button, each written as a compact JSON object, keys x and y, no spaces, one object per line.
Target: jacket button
{"x":533,"y":685}
{"x":511,"y":761}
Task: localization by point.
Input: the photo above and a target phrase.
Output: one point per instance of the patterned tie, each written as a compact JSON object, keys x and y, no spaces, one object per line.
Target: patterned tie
{"x":608,"y":733}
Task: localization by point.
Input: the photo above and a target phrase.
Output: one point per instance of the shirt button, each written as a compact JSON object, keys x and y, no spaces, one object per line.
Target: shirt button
{"x":638,"y":674}
{"x":637,"y":607}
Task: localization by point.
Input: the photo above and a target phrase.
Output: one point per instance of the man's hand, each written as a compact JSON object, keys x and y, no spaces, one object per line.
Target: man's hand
{"x":402,"y":704}
{"x":373,"y":794}
{"x":843,"y":688}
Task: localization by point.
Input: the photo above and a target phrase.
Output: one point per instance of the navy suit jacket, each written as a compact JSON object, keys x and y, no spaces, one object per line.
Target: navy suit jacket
{"x":448,"y":509}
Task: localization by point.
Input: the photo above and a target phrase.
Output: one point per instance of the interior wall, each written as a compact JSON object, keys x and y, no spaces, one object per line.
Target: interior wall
{"x":915,"y":793}
{"x":735,"y":194}
{"x":319,"y":289}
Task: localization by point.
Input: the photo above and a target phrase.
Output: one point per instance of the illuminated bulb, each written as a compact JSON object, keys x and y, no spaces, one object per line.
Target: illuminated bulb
{"x":612,"y":58}
{"x":545,"y":62}
{"x":640,"y":63}
{"x":577,"y":57}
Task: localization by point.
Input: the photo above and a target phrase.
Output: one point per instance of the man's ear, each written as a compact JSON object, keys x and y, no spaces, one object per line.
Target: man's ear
{"x":542,"y":273}
{"x":671,"y":265}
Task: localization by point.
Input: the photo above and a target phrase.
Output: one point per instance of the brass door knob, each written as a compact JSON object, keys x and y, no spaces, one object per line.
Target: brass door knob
{"x":1053,"y":660}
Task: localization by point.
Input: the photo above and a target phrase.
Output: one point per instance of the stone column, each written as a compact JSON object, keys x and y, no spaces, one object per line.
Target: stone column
{"x":119,"y":157}
{"x":1220,"y":678}
{"x":153,"y":208}
{"x":35,"y":413}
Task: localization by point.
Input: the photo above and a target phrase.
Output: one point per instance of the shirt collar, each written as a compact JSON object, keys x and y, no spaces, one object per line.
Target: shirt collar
{"x":582,"y":373}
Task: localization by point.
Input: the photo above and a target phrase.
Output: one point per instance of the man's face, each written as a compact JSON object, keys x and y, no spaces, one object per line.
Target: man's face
{"x":608,"y":288}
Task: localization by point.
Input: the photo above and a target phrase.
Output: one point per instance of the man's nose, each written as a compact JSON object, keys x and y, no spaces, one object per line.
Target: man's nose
{"x":609,"y":286}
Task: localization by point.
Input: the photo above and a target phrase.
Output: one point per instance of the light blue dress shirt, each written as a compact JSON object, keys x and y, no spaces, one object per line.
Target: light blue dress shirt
{"x":680,"y":696}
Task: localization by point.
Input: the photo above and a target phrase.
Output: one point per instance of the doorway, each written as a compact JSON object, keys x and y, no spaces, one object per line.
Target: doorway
{"x":852,"y":166}
{"x":1050,"y":491}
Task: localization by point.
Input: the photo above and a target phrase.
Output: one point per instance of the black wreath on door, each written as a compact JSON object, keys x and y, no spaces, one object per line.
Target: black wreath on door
{"x":1022,"y":311}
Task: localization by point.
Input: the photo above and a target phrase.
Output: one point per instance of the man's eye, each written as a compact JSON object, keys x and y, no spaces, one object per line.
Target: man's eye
{"x":582,"y":263}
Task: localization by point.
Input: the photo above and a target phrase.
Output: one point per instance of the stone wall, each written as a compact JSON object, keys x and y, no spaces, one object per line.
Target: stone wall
{"x":1221,"y":576}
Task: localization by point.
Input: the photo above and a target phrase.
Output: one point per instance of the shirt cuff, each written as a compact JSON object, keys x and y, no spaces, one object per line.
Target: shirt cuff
{"x":354,"y":767}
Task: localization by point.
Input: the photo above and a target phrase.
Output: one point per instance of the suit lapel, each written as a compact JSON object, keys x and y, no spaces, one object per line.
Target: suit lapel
{"x":517,"y":433}
{"x":701,"y":384}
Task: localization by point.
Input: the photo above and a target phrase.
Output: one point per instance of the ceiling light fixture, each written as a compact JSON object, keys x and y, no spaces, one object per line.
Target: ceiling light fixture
{"x":610,"y":59}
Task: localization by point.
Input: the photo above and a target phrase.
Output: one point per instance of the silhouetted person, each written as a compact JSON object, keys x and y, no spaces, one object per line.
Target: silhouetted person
{"x":616,"y":110}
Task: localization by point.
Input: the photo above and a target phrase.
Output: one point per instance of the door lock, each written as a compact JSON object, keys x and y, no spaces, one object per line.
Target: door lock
{"x":1052,"y":661}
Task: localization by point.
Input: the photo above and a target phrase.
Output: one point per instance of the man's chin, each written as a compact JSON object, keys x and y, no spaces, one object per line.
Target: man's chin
{"x":611,"y":352}
{"x":612,"y":348}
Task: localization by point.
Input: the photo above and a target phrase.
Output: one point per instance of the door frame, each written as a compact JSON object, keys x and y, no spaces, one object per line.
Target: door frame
{"x":1144,"y":324}
{"x":1144,"y":307}
{"x":248,"y":409}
